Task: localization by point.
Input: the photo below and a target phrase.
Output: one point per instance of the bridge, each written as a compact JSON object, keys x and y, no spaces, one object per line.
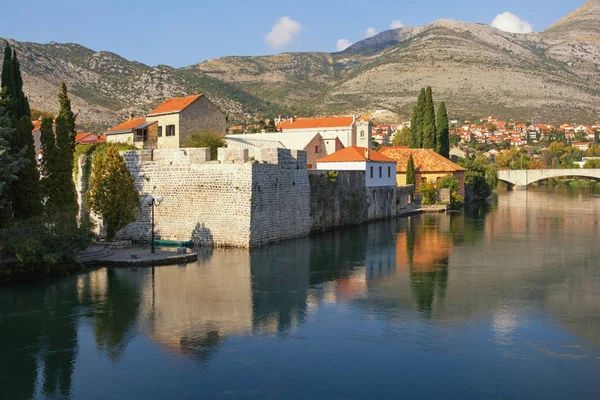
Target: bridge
{"x":519,"y":179}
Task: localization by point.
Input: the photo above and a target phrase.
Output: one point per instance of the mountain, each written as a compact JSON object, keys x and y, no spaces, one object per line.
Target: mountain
{"x":478,"y":70}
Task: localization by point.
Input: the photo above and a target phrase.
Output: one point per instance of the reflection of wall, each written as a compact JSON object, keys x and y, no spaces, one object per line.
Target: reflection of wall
{"x":188,"y":308}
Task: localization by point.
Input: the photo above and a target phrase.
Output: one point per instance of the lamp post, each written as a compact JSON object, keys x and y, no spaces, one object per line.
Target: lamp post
{"x":151,"y":201}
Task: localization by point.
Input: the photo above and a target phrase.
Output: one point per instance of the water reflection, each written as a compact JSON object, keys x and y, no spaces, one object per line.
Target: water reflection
{"x":527,"y":259}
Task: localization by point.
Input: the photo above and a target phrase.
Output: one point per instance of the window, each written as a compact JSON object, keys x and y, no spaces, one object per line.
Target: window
{"x":170,"y":130}
{"x":362,"y":133}
{"x":160,"y":131}
{"x":389,"y":172}
{"x":380,"y":172}
{"x":371,"y":172}
{"x":423,"y":180}
{"x":316,"y":149}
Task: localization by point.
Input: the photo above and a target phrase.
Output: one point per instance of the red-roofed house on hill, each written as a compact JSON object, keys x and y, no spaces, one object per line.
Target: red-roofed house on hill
{"x":379,"y":169}
{"x":350,"y":130}
{"x":429,"y":166}
{"x":171,"y":123}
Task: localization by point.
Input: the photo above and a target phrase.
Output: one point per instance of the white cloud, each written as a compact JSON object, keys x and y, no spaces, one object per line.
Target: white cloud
{"x":509,"y":22}
{"x":283,"y":32}
{"x":343,"y":44}
{"x":396,"y":24}
{"x":370,"y":32}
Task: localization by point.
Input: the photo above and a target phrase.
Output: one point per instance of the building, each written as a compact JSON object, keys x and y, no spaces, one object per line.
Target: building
{"x":429,"y":166}
{"x":350,"y":130}
{"x":313,"y":143}
{"x":87,"y":138}
{"x":379,"y":169}
{"x":171,"y":123}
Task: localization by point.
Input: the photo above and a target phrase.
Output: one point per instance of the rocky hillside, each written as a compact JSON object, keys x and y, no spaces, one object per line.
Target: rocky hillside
{"x":479,"y":70}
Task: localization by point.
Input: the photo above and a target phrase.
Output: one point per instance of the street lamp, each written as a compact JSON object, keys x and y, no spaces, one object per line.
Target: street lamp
{"x":151,"y":201}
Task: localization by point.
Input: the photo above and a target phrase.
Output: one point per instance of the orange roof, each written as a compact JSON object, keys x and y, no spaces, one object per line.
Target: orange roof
{"x":354,"y":154}
{"x":36,"y":125}
{"x":82,"y":135}
{"x":175,"y":105}
{"x":101,"y":139}
{"x":425,"y":160}
{"x":314,"y":123}
{"x":128,"y":125}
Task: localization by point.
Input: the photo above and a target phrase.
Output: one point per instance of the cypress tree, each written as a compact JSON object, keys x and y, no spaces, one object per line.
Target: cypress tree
{"x":66,"y":112}
{"x":443,"y":131}
{"x":48,"y":163}
{"x":429,"y":131}
{"x":10,"y":164}
{"x":66,"y":200}
{"x":416,"y":123}
{"x":410,"y":171}
{"x":25,"y":194}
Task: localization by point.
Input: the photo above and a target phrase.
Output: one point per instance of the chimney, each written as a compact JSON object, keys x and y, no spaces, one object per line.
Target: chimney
{"x":131,"y":116}
{"x":368,"y":154}
{"x":292,"y":119}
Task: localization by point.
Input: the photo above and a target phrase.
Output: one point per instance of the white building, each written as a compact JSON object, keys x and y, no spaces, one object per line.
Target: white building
{"x":379,"y":169}
{"x":350,"y":130}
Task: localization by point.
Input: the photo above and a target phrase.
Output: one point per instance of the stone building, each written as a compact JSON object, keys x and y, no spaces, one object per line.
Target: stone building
{"x":429,"y":166}
{"x":350,"y":130}
{"x":170,"y":124}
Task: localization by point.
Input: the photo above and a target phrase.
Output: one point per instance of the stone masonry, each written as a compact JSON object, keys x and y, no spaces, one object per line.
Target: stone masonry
{"x":238,"y":202}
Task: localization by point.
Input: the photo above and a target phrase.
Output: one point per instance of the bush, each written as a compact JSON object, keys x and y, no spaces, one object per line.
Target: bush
{"x":43,"y":246}
{"x":206,"y":139}
{"x":430,"y":193}
{"x":450,"y":182}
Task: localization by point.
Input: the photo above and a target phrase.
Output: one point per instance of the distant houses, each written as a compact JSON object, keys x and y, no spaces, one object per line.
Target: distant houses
{"x":170,"y":124}
{"x":351,"y":131}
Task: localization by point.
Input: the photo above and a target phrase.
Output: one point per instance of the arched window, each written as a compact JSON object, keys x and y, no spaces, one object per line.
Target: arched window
{"x":362,"y":134}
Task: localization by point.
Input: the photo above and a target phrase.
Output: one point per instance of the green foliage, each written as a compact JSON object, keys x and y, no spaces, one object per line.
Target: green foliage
{"x":479,"y":176}
{"x":450,"y":182}
{"x":593,"y":151}
{"x":402,"y":138}
{"x":429,"y":128}
{"x":112,"y":193}
{"x":443,"y":131}
{"x":429,"y":191}
{"x":66,"y":112}
{"x":206,"y":139}
{"x":375,"y":145}
{"x":39,"y":114}
{"x":332,"y":176}
{"x":271,"y":127}
{"x":10,"y":164}
{"x":49,"y":184}
{"x":410,"y":171}
{"x":62,"y":171}
{"x":592,"y":164}
{"x":416,"y":122}
{"x":42,"y":246}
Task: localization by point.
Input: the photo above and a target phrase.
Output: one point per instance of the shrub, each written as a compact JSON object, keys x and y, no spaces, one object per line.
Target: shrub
{"x":206,"y":139}
{"x":450,"y":182}
{"x":429,"y":191}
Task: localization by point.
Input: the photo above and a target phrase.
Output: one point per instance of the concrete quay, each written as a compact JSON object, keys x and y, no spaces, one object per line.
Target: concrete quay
{"x":100,"y":256}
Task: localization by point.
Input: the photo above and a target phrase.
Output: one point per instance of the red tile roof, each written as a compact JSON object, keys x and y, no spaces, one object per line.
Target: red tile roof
{"x":175,"y":105}
{"x":355,"y":154}
{"x":315,"y":123}
{"x":128,"y":125}
{"x":81,"y":136}
{"x":36,"y":125}
{"x":425,"y":160}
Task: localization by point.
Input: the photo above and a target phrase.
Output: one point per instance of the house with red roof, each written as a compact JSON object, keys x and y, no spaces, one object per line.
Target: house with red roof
{"x":379,"y":169}
{"x":171,"y":123}
{"x":350,"y":130}
{"x":429,"y":166}
{"x":86,"y":138}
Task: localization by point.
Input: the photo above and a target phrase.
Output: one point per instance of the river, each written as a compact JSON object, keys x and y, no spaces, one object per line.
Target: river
{"x":495,"y":302}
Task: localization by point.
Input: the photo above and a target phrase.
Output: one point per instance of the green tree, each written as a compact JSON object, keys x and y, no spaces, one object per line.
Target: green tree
{"x":25,"y":194}
{"x":10,"y":164}
{"x":66,"y":198}
{"x":443,"y":131}
{"x":450,"y":182}
{"x":410,"y":171}
{"x":66,"y":112}
{"x":402,"y":138}
{"x":492,"y":128}
{"x":271,"y":127}
{"x":416,"y":122}
{"x":206,"y":139}
{"x":429,"y":129}
{"x":592,"y":164}
{"x":47,"y":163}
{"x":112,"y":193}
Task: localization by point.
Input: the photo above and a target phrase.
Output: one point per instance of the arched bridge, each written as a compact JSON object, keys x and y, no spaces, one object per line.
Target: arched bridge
{"x":519,"y":179}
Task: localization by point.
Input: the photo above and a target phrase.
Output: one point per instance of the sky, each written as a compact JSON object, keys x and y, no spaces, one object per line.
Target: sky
{"x":186,"y":32}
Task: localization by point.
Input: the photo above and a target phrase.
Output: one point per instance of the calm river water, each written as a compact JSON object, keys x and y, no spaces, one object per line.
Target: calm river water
{"x":492,"y":303}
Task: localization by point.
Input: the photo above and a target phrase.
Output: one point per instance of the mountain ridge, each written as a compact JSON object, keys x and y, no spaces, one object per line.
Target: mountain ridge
{"x":475,"y":68}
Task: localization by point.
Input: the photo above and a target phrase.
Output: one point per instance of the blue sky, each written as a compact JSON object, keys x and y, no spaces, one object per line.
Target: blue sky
{"x":184,"y":32}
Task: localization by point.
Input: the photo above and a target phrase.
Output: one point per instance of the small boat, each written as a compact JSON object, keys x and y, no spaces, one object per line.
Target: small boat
{"x":173,"y":243}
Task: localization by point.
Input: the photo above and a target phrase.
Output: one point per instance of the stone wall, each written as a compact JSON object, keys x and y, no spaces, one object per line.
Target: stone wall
{"x":201,"y":116}
{"x":341,"y":198}
{"x":404,"y":196}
